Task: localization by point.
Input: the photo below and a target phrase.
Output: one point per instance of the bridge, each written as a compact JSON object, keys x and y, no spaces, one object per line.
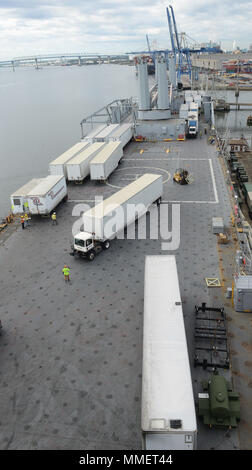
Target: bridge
{"x":82,"y":58}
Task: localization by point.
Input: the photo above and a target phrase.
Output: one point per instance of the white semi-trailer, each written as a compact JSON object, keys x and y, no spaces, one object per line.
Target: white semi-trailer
{"x":93,"y":133}
{"x":104,"y":221}
{"x":58,"y":166}
{"x":183,"y":111}
{"x":123,"y":133}
{"x":78,"y":167}
{"x":19,"y":198}
{"x":107,"y":160}
{"x":194,"y":107}
{"x":44,"y":197}
{"x":168,"y":417}
{"x":105,"y":133}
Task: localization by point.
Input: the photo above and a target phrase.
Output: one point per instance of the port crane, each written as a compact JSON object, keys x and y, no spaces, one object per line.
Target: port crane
{"x":177,"y":50}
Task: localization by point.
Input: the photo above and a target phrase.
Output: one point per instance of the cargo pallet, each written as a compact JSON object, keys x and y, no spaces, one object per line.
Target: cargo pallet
{"x":210,"y":336}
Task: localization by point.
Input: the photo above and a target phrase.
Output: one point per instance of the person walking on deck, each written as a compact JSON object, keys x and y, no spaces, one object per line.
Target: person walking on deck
{"x":66,"y":272}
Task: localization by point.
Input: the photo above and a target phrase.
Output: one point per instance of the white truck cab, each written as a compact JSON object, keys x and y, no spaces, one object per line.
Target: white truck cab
{"x":86,"y":245}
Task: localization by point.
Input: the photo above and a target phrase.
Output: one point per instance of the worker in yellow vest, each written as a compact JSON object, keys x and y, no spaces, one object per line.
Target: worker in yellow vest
{"x":66,"y":272}
{"x":54,"y":218}
{"x":26,"y":218}
{"x":22,"y":220}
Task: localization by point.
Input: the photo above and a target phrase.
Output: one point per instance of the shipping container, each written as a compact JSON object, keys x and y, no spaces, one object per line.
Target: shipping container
{"x":58,"y":166}
{"x":44,"y":197}
{"x":78,"y":167}
{"x":19,"y":198}
{"x":106,"y":161}
{"x":168,"y":417}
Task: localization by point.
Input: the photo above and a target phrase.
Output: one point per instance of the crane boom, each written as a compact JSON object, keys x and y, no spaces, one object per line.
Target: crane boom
{"x":170,"y":29}
{"x":175,"y":28}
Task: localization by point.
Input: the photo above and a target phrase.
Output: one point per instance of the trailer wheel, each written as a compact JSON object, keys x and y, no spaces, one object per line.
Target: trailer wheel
{"x":106,"y":245}
{"x":91,"y":256}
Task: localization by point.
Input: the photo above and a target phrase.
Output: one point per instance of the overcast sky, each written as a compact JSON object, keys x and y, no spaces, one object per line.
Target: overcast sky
{"x":29,"y":27}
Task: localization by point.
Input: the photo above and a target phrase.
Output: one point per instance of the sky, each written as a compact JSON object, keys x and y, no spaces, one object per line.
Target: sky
{"x":33,"y":27}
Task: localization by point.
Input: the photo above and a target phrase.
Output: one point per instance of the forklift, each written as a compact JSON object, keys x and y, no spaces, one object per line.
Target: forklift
{"x":182,"y":176}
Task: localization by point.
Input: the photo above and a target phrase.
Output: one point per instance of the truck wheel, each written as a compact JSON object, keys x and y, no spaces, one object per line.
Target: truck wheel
{"x":91,"y":256}
{"x":106,"y":245}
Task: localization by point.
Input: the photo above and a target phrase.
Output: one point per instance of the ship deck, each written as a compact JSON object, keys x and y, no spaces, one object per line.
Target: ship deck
{"x":71,"y":354}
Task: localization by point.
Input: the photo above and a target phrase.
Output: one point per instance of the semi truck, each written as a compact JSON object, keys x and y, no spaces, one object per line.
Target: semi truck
{"x":104,"y":221}
{"x":78,"y":167}
{"x":107,"y":160}
{"x":168,"y":418}
{"x":58,"y":166}
{"x":192,"y":124}
{"x":45,"y":196}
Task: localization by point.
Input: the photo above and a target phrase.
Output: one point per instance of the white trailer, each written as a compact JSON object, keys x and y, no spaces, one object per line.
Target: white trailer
{"x":194,"y":107}
{"x":78,"y":167}
{"x":105,"y":133}
{"x":183,"y":111}
{"x":58,"y":166}
{"x":168,"y":417}
{"x":44,"y":197}
{"x":92,"y":134}
{"x":123,"y":133}
{"x":19,"y":198}
{"x":104,"y":221}
{"x":106,"y":161}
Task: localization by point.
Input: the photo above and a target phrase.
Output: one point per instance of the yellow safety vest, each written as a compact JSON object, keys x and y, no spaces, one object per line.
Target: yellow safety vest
{"x":66,"y":271}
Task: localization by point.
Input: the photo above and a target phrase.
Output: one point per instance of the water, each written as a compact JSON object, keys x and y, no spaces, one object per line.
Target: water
{"x":41,"y":112}
{"x":235,"y":121}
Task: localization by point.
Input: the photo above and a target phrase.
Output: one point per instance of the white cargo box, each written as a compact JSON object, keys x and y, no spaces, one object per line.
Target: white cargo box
{"x":168,"y":413}
{"x":105,"y":133}
{"x":194,"y":106}
{"x":123,"y":133}
{"x":58,"y":166}
{"x":92,"y":134}
{"x":188,"y":99}
{"x":106,"y":161}
{"x":19,"y":198}
{"x":198,"y":99}
{"x":183,"y":112}
{"x":109,"y":217}
{"x":78,"y":167}
{"x":44,"y":197}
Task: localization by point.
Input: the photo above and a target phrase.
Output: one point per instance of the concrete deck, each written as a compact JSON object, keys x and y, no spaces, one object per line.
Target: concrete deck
{"x":71,"y":354}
